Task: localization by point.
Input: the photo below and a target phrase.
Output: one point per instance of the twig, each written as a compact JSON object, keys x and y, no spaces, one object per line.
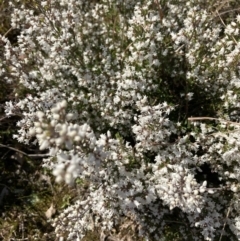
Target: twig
{"x":14,"y":149}
{"x":225,"y":26}
{"x":5,"y":117}
{"x":222,"y":4}
{"x":38,"y":155}
{"x":160,"y":11}
{"x":171,"y":221}
{"x":20,"y":239}
{"x":179,"y":48}
{"x":9,"y":30}
{"x":212,"y":118}
{"x":232,"y":10}
{"x":12,"y":115}
{"x":24,"y":153}
{"x":201,"y":118}
{"x":228,"y":212}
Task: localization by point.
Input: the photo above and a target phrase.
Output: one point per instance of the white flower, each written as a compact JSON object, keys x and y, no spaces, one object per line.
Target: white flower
{"x":105,"y":102}
{"x":44,"y":144}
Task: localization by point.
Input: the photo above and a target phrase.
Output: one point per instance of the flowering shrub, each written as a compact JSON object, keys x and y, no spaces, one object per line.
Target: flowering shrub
{"x":118,"y":93}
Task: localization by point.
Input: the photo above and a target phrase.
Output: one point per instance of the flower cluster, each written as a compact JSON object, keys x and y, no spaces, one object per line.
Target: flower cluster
{"x":111,"y":85}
